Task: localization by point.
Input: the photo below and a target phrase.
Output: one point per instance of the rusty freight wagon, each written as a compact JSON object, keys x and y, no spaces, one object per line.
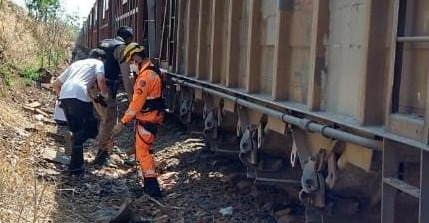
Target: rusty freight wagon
{"x":331,"y":95}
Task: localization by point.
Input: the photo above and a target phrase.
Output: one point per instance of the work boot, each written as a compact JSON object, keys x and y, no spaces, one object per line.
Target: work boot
{"x":102,"y":158}
{"x":75,"y":170}
{"x":76,"y":165}
{"x":151,"y":187}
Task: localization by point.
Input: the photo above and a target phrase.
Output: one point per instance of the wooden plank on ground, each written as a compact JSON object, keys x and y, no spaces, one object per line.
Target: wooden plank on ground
{"x":35,"y":104}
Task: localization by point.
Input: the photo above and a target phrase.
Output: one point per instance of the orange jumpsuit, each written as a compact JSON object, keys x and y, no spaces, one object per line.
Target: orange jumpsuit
{"x":147,"y":86}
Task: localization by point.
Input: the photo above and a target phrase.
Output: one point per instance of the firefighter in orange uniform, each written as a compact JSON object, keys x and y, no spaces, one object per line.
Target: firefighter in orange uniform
{"x":147,"y":108}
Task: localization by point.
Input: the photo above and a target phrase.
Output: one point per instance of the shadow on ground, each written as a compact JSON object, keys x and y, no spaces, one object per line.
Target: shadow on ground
{"x":198,"y":186}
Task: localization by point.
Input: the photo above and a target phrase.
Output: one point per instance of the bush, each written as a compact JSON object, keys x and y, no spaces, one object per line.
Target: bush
{"x":6,"y":75}
{"x":31,"y":74}
{"x":6,"y":79}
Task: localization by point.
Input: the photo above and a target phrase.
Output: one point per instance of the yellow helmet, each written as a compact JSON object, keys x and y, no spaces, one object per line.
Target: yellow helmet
{"x":130,"y":50}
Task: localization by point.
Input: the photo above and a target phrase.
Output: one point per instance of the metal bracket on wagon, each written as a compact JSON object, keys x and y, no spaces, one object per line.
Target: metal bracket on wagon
{"x":312,"y":194}
{"x":249,"y":145}
{"x":186,"y":104}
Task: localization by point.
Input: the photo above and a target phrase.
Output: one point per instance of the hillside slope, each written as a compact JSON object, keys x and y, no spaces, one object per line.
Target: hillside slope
{"x":26,"y":45}
{"x":23,"y":198}
{"x":17,"y":41}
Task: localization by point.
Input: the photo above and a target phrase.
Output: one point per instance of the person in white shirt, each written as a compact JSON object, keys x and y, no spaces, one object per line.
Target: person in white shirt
{"x":72,"y":89}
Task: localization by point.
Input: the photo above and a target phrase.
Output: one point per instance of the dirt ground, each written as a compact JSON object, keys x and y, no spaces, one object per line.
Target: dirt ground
{"x":198,"y":186}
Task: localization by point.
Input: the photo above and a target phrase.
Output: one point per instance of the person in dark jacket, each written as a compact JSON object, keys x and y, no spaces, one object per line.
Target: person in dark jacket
{"x":115,"y":67}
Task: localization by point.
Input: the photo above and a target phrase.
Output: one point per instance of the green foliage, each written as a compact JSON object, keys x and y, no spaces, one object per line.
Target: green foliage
{"x":6,"y":74}
{"x":72,"y":21}
{"x":51,"y":21}
{"x":28,"y":75}
{"x":6,"y":69}
{"x":57,"y":56}
{"x":44,"y":10}
{"x":46,"y":33}
{"x":6,"y":79}
{"x":31,"y":74}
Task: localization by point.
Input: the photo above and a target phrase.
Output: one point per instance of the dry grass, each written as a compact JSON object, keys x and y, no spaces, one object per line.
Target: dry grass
{"x":23,"y":198}
{"x":17,"y":42}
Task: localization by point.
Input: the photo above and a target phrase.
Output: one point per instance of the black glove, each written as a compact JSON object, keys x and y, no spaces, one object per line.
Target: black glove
{"x":100,"y":100}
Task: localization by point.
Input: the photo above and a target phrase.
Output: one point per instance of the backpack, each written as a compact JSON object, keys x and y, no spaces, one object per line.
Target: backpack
{"x":111,"y":65}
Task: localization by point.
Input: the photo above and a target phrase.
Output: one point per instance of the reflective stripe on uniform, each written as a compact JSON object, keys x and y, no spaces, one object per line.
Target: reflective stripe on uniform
{"x":143,"y":131}
{"x":149,"y":173}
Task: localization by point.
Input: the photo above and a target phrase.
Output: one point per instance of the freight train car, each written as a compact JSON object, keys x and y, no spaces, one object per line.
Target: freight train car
{"x":327,"y":94}
{"x":107,"y":16}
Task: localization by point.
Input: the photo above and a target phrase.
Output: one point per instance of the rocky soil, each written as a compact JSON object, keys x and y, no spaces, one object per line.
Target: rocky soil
{"x":197,"y":185}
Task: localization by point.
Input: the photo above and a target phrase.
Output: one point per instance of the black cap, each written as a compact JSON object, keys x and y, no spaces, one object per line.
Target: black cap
{"x":125,"y":32}
{"x":96,"y":53}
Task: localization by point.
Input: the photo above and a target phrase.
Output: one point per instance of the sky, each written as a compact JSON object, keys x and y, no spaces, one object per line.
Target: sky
{"x":80,"y":7}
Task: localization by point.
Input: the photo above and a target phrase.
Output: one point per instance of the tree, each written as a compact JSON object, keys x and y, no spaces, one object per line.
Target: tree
{"x":52,"y":30}
{"x":43,"y":10}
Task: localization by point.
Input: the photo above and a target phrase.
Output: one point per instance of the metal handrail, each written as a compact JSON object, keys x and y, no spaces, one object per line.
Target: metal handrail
{"x":404,"y":39}
{"x":303,"y":123}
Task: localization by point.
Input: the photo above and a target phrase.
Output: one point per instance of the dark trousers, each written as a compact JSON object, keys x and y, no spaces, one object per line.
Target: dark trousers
{"x":82,"y":124}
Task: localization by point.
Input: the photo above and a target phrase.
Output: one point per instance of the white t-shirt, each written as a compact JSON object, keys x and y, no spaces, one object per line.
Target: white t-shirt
{"x":80,"y":76}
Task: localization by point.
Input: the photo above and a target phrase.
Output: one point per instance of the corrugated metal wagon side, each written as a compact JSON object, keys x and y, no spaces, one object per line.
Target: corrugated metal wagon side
{"x":329,"y":94}
{"x":356,"y":67}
